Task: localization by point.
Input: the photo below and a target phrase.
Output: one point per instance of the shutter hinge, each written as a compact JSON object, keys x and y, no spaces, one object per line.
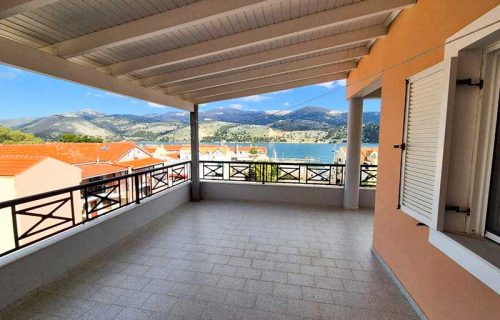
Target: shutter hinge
{"x":458,"y":209}
{"x":468,"y":82}
{"x":400,"y":146}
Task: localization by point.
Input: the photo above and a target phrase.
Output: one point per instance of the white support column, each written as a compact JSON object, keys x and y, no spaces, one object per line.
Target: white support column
{"x":195,"y":155}
{"x":352,"y":165}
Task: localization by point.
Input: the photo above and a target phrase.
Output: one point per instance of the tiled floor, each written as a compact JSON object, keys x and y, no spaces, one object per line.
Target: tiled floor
{"x":231,"y":260}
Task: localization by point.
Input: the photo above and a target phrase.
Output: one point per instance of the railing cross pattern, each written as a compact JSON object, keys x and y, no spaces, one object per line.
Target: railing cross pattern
{"x":318,"y":172}
{"x":43,"y":217}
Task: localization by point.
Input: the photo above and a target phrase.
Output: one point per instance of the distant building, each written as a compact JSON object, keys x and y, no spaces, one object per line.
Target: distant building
{"x":97,"y":160}
{"x":368,"y":155}
{"x":166,"y":153}
{"x":248,"y":153}
{"x":22,"y":176}
{"x":213,"y":153}
{"x":93,"y":162}
{"x":209,"y":152}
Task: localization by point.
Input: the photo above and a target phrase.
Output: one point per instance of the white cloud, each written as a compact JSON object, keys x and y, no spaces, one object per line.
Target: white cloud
{"x":333,"y":84}
{"x":94,"y":94}
{"x":156,"y":105}
{"x":255,"y":98}
{"x":286,"y":104}
{"x":114,"y":94}
{"x":237,"y":106}
{"x":280,"y":92}
{"x":9,"y":73}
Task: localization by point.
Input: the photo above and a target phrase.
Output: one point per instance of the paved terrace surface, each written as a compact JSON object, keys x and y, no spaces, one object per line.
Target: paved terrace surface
{"x":231,"y":260}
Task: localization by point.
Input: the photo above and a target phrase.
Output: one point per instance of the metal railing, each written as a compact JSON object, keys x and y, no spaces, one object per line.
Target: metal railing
{"x":284,"y":172}
{"x":37,"y":217}
{"x":273,"y":172}
{"x":368,"y":176}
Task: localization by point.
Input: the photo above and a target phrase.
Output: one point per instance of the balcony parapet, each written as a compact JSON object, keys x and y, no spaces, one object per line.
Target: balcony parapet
{"x":38,"y":217}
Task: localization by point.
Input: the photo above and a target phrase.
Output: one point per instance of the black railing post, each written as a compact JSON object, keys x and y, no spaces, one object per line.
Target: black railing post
{"x":14,"y":226}
{"x":86,"y":198}
{"x":72,"y":204}
{"x":263,"y":173}
{"x":136,"y":185}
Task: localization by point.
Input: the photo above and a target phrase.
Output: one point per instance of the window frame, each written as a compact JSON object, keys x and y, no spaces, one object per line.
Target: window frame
{"x":478,"y":34}
{"x":488,"y":108}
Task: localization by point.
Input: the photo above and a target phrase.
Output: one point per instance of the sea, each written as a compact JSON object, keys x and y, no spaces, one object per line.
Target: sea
{"x":311,"y":152}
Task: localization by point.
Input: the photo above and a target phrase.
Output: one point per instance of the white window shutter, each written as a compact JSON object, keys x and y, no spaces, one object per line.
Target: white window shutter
{"x":424,"y":142}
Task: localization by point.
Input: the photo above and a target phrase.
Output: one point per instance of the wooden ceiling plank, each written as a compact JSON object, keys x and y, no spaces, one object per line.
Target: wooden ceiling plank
{"x":336,"y":16}
{"x":295,"y":50}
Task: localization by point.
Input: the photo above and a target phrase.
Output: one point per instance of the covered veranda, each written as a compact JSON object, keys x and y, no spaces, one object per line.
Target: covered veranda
{"x":186,"y":53}
{"x":174,"y":256}
{"x":218,"y":250}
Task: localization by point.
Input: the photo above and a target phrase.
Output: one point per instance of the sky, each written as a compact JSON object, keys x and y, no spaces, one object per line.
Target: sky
{"x":28,"y":94}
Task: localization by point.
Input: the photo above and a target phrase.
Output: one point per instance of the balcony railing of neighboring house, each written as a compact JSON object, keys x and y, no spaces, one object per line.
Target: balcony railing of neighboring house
{"x":368,"y":176}
{"x":37,"y":217}
{"x":273,"y":172}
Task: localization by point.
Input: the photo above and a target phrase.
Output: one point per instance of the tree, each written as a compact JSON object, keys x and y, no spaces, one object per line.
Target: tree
{"x":8,"y":136}
{"x":71,"y":137}
{"x":263,"y":171}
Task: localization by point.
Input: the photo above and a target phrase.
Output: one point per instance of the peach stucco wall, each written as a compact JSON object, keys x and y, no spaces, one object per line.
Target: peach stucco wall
{"x":441,"y":288}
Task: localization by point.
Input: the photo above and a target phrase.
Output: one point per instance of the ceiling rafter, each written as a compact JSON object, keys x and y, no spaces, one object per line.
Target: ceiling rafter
{"x":19,"y":55}
{"x":272,"y":88}
{"x":271,"y":80}
{"x":9,"y":8}
{"x":336,"y":16}
{"x":295,"y":50}
{"x":307,"y":63}
{"x":167,"y":21}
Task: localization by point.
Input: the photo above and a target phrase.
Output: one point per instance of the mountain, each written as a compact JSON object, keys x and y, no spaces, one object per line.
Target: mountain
{"x":308,"y":124}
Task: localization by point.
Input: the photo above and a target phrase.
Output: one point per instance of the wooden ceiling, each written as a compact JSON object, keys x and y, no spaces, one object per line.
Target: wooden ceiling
{"x":185,"y":52}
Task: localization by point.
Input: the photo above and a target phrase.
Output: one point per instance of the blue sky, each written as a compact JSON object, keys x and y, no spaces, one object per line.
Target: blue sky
{"x":27,"y":94}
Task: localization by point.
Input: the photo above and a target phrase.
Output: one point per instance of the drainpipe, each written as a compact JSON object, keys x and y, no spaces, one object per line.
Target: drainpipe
{"x":195,"y":155}
{"x":352,"y":164}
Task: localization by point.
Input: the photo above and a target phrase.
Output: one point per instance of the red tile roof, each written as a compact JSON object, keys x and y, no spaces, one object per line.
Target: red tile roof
{"x":139,"y":163}
{"x":13,"y":165}
{"x":174,"y":147}
{"x":99,"y":169}
{"x":72,"y":153}
{"x":150,"y":149}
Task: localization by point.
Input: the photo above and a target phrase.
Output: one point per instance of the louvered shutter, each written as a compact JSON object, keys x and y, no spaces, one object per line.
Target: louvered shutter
{"x":421,"y":167}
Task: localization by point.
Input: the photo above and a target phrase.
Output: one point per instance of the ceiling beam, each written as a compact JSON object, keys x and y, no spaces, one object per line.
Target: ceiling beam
{"x":272,"y":80}
{"x":273,"y":88}
{"x":302,"y":64}
{"x":9,"y":8}
{"x":19,"y":55}
{"x":295,"y":50}
{"x":164,"y":22}
{"x":337,"y":16}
